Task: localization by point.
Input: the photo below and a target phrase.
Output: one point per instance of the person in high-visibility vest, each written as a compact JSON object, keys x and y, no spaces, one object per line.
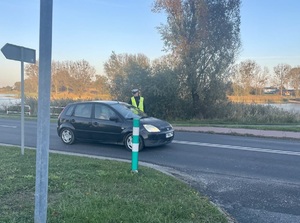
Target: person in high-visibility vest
{"x":137,"y":101}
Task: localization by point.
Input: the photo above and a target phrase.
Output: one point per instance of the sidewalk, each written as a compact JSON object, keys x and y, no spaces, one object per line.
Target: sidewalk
{"x":239,"y":131}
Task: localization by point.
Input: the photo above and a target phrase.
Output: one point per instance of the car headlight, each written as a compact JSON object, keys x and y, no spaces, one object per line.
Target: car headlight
{"x":151,"y":128}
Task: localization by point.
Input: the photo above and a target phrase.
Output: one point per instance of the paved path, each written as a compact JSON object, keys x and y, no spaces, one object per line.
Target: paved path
{"x":240,"y":131}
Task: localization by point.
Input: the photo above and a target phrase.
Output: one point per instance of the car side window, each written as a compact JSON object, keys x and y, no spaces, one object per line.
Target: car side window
{"x":103,"y":112}
{"x":70,"y":110}
{"x":83,"y":110}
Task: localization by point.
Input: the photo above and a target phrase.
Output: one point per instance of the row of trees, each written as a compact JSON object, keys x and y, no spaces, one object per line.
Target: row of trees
{"x":202,"y":42}
{"x":68,"y":76}
{"x":248,"y":77}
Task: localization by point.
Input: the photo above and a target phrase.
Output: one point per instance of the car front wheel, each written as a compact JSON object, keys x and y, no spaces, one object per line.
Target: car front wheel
{"x":67,"y":136}
{"x":128,"y":142}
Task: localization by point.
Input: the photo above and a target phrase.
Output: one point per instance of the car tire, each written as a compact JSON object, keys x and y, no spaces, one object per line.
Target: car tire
{"x":67,"y":136}
{"x":128,"y":142}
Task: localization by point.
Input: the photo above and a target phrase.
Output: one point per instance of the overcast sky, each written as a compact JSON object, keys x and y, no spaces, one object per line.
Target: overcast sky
{"x":92,"y":29}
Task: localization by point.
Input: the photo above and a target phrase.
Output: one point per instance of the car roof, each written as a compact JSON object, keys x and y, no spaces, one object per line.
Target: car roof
{"x":98,"y":101}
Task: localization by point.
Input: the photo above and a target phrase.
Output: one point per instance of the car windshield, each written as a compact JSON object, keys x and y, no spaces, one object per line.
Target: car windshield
{"x":128,"y":111}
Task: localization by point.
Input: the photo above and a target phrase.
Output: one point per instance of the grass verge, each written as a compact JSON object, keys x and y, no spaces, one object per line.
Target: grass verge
{"x":276,"y":127}
{"x":90,"y":190}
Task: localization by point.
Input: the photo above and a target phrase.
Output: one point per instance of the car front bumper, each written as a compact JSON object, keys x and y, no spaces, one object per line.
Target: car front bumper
{"x":158,"y":139}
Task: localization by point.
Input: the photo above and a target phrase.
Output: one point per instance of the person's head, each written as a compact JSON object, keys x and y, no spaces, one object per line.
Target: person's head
{"x":135,"y":92}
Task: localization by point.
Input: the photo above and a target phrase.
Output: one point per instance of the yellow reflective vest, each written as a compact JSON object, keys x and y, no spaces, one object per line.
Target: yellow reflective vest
{"x":140,"y":105}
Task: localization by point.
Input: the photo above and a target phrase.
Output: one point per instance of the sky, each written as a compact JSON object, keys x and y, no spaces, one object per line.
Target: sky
{"x":92,"y":29}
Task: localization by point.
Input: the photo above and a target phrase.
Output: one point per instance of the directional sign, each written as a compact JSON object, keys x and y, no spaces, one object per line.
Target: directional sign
{"x":22,"y":54}
{"x":13,"y":52}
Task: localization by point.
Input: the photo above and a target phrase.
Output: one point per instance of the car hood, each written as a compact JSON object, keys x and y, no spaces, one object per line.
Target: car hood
{"x":155,"y":121}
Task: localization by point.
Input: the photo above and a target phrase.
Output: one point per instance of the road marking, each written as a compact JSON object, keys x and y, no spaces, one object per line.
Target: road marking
{"x":252,"y":149}
{"x":8,"y":126}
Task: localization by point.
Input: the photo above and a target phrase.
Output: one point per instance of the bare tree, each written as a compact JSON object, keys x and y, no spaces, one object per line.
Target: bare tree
{"x":32,"y":77}
{"x":102,"y":87}
{"x":236,"y":80}
{"x":249,"y":77}
{"x":261,"y":80}
{"x":60,"y":77}
{"x":294,"y":79}
{"x":281,"y":76}
{"x":81,"y":74}
{"x":259,"y":77}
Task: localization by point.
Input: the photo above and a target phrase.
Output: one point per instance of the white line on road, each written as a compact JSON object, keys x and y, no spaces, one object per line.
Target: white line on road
{"x":8,"y":126}
{"x":252,"y":149}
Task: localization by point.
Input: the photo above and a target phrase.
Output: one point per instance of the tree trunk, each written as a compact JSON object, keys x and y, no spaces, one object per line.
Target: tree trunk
{"x":196,"y":105}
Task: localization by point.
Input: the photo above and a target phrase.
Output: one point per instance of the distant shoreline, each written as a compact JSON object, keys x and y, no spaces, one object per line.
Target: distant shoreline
{"x":6,"y":95}
{"x":294,"y":101}
{"x":263,"y":99}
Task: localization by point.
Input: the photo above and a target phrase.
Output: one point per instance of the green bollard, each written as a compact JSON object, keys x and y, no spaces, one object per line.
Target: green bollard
{"x":135,"y":144}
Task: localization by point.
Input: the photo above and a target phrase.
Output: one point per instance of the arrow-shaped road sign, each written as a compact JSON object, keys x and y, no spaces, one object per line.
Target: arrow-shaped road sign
{"x":19,"y":53}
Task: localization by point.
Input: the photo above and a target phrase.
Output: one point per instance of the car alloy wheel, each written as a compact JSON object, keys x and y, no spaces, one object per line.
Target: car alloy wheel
{"x":128,"y":142}
{"x":67,"y":136}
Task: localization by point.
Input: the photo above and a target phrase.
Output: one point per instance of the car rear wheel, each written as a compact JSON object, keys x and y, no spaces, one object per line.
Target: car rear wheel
{"x":67,"y":136}
{"x":128,"y":142}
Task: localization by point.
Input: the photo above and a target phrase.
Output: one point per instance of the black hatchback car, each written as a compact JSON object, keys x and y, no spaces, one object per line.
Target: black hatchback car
{"x":111,"y":122}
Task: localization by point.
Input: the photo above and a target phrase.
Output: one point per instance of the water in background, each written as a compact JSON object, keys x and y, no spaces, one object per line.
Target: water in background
{"x":291,"y":107}
{"x":8,"y":100}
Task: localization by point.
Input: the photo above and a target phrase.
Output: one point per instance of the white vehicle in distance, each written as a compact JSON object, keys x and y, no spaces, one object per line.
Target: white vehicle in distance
{"x":16,"y":109}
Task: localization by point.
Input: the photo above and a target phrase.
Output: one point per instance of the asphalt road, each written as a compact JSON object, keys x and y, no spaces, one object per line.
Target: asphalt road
{"x":253,"y":179}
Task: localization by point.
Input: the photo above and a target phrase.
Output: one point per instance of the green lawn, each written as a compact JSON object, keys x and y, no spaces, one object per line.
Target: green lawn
{"x":295,"y":127}
{"x":90,"y":190}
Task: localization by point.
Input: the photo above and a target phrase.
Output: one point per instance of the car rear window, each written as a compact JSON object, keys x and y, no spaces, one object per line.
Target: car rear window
{"x":70,"y":110}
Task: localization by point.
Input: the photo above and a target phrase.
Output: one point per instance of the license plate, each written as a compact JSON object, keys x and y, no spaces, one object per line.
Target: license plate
{"x":170,"y":134}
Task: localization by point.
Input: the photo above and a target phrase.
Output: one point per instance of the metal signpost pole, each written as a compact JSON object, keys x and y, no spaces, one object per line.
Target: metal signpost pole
{"x":43,"y":125}
{"x":22,"y":101}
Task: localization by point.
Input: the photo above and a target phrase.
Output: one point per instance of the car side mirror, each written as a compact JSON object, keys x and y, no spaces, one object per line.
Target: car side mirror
{"x":114,"y":118}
